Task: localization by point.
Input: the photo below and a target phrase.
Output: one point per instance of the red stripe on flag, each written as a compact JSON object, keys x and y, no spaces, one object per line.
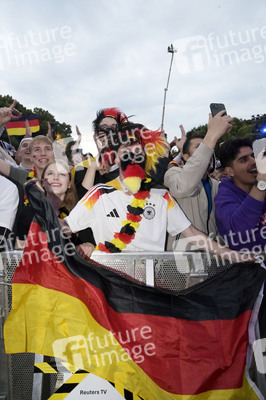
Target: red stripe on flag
{"x":21,"y":124}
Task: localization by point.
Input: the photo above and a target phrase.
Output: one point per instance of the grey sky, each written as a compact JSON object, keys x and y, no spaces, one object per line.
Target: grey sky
{"x":73,"y":58}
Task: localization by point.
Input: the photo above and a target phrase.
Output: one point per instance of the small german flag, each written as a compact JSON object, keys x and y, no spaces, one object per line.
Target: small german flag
{"x":18,"y":127}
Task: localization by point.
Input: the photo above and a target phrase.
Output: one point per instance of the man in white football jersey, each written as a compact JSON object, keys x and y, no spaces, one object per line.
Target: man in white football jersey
{"x":130,"y":212}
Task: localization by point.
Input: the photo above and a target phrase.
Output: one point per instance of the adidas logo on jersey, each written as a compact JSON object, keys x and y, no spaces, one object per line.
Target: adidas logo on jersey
{"x":113,"y":213}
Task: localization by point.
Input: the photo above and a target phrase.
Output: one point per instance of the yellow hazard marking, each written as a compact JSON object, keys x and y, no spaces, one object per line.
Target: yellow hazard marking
{"x":46,"y":368}
{"x":77,"y":377}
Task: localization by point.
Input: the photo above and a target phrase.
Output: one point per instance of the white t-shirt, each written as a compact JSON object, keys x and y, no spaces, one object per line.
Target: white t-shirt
{"x":104,"y":208}
{"x":9,"y":199}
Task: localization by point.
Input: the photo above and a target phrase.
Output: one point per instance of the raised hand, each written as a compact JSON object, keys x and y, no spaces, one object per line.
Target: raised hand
{"x":28,"y":131}
{"x":78,"y":131}
{"x":217,"y":127}
{"x":49,"y":131}
{"x":180,"y":142}
{"x":79,"y":136}
{"x":15,"y":113}
{"x":9,"y":113}
{"x":220,"y":124}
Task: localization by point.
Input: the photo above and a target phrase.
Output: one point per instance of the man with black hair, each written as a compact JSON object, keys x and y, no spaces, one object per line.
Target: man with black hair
{"x":191,"y":185}
{"x":88,"y":173}
{"x":107,"y":127}
{"x":241,"y":199}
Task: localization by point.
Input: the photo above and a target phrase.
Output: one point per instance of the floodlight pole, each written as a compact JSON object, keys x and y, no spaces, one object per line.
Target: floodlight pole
{"x":171,"y":50}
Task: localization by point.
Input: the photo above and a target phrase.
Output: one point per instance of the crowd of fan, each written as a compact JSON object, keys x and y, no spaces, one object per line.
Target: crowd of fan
{"x":221,"y":199}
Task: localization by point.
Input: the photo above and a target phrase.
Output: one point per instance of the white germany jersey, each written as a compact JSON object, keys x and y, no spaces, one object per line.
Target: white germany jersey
{"x":104,"y":208}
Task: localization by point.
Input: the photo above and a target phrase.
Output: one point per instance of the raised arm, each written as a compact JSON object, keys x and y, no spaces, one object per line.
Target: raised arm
{"x":182,"y":182}
{"x":9,"y":113}
{"x":89,"y":177}
{"x":28,"y":130}
{"x":49,"y":131}
{"x":79,"y":136}
{"x":217,"y":127}
{"x":180,"y":142}
{"x":4,"y":168}
{"x":7,"y":156}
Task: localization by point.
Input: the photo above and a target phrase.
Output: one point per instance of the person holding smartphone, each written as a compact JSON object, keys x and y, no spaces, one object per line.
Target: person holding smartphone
{"x":191,"y":185}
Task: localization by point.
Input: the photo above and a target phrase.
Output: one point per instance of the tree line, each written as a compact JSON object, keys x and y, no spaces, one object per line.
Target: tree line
{"x":44,"y":116}
{"x":252,"y":128}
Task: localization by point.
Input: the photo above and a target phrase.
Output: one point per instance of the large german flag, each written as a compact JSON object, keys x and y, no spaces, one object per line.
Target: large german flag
{"x":192,"y":345}
{"x":18,"y":127}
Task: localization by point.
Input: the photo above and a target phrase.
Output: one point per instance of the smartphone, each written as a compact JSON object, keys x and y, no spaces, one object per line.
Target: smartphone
{"x":258,"y":146}
{"x":217,"y":107}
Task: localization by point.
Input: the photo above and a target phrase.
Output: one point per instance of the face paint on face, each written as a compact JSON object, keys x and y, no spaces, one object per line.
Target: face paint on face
{"x":41,"y":154}
{"x":131,"y":158}
{"x":132,"y":164}
{"x":133,"y":176}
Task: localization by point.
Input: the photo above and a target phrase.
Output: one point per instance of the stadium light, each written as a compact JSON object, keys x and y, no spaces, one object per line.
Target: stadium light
{"x":171,"y":50}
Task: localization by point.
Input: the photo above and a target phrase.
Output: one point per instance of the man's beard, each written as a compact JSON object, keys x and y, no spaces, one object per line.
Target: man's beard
{"x":133,"y":175}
